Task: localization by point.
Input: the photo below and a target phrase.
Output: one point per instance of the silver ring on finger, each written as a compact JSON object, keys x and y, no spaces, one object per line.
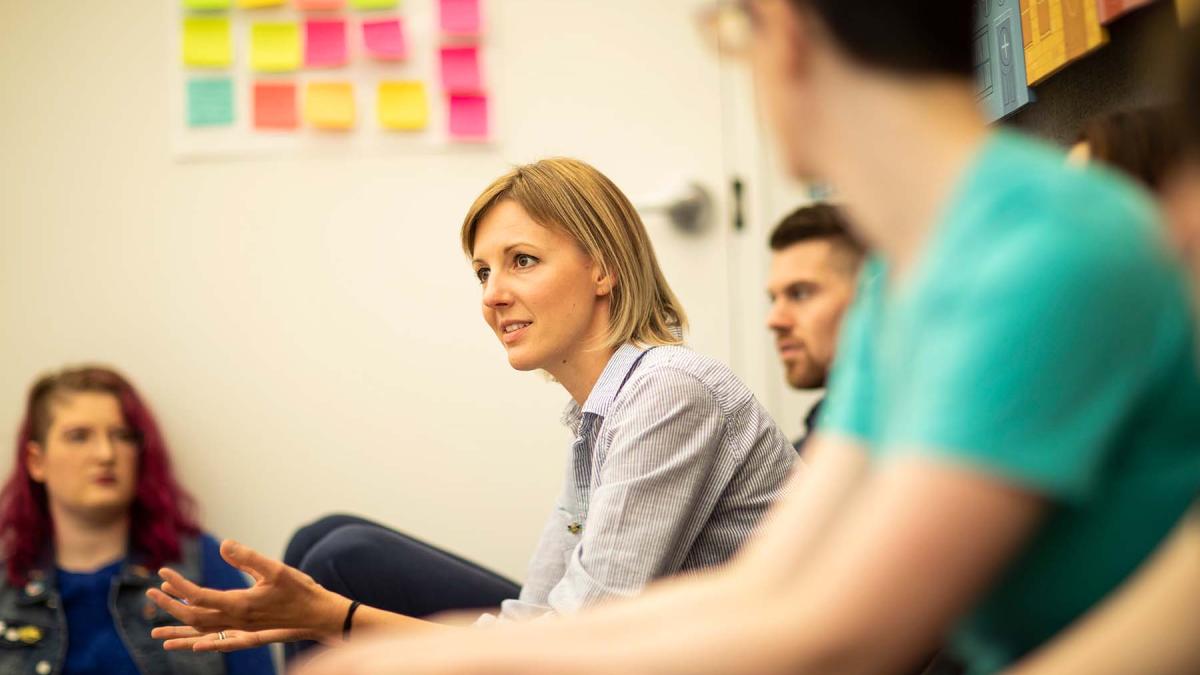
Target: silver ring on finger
{"x":221,"y":635}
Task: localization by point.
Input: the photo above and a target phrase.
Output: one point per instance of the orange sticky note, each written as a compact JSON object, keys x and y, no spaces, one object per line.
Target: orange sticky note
{"x":274,"y":47}
{"x":324,"y":43}
{"x":255,"y":4}
{"x":206,"y":42}
{"x":459,"y":17}
{"x":275,"y":105}
{"x":403,"y":106}
{"x":319,"y":4}
{"x":384,"y":39}
{"x":460,"y":70}
{"x":469,"y":117}
{"x":329,"y":105}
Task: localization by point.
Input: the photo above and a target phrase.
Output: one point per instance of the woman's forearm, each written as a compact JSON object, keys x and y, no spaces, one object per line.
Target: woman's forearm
{"x":374,"y":620}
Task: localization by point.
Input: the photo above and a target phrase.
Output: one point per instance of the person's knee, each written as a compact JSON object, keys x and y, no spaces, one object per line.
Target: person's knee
{"x":304,"y":539}
{"x":346,"y":553}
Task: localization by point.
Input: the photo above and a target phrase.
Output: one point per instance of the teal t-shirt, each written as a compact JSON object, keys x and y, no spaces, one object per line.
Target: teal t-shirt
{"x":1045,"y":338}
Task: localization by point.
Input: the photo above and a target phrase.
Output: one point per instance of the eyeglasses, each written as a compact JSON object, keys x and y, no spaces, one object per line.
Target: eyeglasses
{"x":727,"y":26}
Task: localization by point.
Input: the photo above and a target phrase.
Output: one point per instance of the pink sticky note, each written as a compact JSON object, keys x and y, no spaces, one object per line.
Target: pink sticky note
{"x":460,"y":70}
{"x":460,"y":17}
{"x":384,"y":39}
{"x":319,"y":4}
{"x":324,"y":43}
{"x":469,"y":117}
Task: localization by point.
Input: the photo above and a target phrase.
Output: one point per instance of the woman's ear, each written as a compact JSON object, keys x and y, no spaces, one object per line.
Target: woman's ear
{"x":605,"y":280}
{"x":35,"y":461}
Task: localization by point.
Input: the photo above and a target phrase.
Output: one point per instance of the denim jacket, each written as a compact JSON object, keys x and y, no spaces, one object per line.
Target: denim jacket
{"x":33,"y":625}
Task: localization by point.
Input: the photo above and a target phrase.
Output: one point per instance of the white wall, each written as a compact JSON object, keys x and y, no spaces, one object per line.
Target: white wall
{"x":306,"y":328}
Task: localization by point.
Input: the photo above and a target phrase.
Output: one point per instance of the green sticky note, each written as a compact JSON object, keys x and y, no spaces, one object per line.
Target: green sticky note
{"x":205,"y":5}
{"x":373,"y":4}
{"x":206,"y":42}
{"x":210,"y":102}
{"x":275,"y":47}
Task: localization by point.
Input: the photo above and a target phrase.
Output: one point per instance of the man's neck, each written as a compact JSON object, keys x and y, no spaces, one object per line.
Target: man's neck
{"x":896,"y":152}
{"x":81,"y":545}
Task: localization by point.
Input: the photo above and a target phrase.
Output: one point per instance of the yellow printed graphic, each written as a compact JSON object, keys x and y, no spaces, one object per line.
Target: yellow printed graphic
{"x":1057,"y":32}
{"x":1188,"y":10}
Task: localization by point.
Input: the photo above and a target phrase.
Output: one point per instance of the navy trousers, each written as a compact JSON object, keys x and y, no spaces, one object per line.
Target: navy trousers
{"x":383,"y":568}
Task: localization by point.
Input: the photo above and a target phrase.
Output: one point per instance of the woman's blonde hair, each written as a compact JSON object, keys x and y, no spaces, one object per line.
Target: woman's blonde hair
{"x":575,"y":197}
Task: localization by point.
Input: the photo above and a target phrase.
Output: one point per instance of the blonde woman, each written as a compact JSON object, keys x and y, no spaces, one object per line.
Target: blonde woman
{"x":673,"y":463}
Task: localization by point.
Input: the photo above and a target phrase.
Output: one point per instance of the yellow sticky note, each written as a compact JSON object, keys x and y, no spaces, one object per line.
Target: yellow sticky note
{"x":403,"y":106}
{"x":275,"y":47}
{"x":206,"y":42}
{"x":329,"y":105}
{"x":255,"y":4}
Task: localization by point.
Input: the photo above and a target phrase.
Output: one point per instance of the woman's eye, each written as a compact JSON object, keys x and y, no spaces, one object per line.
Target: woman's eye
{"x":77,"y":435}
{"x":482,"y":274}
{"x":524,"y":260}
{"x":123,"y":436}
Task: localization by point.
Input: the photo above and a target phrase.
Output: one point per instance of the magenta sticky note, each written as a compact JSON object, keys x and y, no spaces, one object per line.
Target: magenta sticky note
{"x":460,"y":70}
{"x":384,"y":39}
{"x":469,"y":117}
{"x":324,"y":43}
{"x":460,"y":17}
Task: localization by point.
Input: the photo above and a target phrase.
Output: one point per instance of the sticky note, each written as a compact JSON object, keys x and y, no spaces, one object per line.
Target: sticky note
{"x":275,"y":105}
{"x":210,"y":102}
{"x":402,"y":106}
{"x":324,"y":43}
{"x":459,"y":17}
{"x":468,"y":117}
{"x":460,"y":70}
{"x":256,"y":4}
{"x":205,"y":5}
{"x":329,"y":105}
{"x":274,"y":47}
{"x":384,"y":39}
{"x":373,"y":4}
{"x":206,"y":42}
{"x":319,"y":4}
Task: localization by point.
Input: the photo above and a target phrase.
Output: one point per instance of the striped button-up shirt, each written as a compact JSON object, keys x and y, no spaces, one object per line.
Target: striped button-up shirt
{"x":674,"y":463}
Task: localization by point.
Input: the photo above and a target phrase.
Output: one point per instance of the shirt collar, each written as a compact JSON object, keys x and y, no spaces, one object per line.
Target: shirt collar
{"x":606,"y":388}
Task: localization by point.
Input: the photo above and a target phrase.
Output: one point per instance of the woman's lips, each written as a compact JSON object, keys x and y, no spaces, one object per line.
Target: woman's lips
{"x":512,"y":337}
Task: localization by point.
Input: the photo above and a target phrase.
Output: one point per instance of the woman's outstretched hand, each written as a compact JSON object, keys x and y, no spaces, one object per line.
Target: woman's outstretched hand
{"x":283,"y":604}
{"x":186,"y":638}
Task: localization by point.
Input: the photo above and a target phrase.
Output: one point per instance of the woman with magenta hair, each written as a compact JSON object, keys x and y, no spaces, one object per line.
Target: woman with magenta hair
{"x":90,"y":509}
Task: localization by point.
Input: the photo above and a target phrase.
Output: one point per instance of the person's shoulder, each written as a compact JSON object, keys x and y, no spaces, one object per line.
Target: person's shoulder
{"x":673,"y":370}
{"x":1028,"y":184}
{"x":1033,"y":220}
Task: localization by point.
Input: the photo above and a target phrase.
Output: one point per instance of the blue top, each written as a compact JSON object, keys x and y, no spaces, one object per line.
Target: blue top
{"x":1044,"y":340}
{"x":94,"y":647}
